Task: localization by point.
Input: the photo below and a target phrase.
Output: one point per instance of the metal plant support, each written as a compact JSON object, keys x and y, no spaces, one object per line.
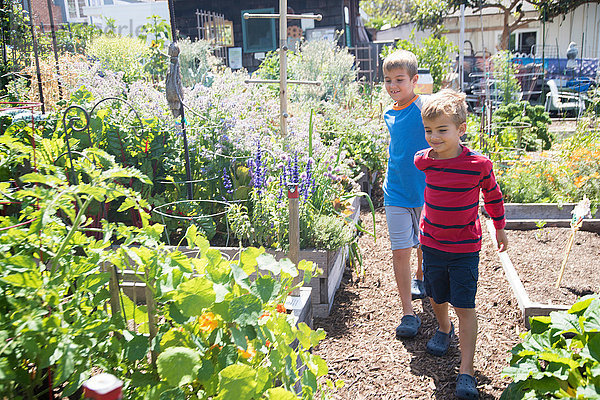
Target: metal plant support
{"x":293,"y":204}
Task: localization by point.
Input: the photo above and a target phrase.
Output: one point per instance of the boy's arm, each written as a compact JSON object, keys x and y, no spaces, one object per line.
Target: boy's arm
{"x":493,"y":201}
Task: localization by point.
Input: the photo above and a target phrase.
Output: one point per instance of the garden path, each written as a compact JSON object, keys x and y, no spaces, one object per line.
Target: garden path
{"x":361,"y":348}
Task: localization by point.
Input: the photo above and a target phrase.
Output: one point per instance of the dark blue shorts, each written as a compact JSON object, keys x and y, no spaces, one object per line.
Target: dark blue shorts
{"x":451,"y":277}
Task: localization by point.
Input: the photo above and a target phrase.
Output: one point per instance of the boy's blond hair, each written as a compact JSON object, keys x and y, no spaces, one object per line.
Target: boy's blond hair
{"x":446,"y":103}
{"x":401,"y":59}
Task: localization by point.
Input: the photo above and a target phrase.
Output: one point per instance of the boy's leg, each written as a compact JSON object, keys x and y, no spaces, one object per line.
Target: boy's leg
{"x":401,"y":262}
{"x":400,"y":221}
{"x":467,"y":319}
{"x":417,"y":286}
{"x":419,"y":274}
{"x":441,"y":315}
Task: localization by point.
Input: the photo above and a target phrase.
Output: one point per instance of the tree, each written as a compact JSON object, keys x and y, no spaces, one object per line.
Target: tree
{"x":429,"y":11}
{"x":547,"y":9}
{"x":386,"y":12}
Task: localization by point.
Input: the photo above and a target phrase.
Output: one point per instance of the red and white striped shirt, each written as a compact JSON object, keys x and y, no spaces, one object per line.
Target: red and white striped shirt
{"x":450,"y":216}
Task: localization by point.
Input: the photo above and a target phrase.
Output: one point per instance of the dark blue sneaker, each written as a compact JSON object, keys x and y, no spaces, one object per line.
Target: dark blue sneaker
{"x":409,"y":326}
{"x":417,"y":289}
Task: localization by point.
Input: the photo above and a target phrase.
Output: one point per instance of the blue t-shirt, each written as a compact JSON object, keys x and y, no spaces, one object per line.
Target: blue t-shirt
{"x":404,"y":184}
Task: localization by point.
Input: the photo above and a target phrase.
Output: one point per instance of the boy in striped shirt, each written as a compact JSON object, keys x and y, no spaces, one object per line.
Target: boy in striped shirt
{"x":450,"y":231}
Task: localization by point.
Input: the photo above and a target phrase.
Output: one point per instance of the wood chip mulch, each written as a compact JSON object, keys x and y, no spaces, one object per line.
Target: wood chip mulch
{"x":361,"y":348}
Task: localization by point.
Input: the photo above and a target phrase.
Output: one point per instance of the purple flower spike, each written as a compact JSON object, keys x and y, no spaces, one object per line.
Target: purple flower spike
{"x":227,"y":181}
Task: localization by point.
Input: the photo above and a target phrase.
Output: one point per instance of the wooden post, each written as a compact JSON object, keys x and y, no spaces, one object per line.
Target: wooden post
{"x":294,"y":230}
{"x":293,"y":204}
{"x":283,"y":68}
{"x":151,"y":306}
{"x":113,"y":288}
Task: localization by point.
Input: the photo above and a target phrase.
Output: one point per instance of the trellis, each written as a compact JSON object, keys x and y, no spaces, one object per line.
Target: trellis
{"x":212,"y":28}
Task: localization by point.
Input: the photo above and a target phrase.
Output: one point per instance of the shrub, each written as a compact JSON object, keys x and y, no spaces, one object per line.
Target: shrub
{"x":318,"y":60}
{"x":196,"y":60}
{"x":559,"y":357}
{"x":332,"y":65}
{"x":522,"y":126}
{"x":557,"y":177}
{"x":433,"y":53}
{"x":120,"y":54}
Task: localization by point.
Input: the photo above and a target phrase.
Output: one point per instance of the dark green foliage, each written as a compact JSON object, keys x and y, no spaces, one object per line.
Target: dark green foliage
{"x":509,"y":123}
{"x":433,"y":53}
{"x":559,"y":357}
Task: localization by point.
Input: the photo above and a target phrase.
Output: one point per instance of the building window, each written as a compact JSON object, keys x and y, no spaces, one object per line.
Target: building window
{"x":258,"y":33}
{"x":523,"y":42}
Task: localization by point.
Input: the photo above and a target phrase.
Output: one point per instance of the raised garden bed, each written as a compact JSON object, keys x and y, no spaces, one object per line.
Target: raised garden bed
{"x":528,"y":215}
{"x":321,"y":291}
{"x":532,"y":265}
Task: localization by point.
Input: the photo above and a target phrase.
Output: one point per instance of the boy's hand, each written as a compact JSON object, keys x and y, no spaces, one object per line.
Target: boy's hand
{"x":502,"y":240}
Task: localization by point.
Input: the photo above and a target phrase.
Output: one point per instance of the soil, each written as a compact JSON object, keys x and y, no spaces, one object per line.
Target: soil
{"x":361,"y":348}
{"x":538,"y":255}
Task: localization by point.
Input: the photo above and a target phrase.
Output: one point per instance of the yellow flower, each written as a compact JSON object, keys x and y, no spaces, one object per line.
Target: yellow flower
{"x":248,"y":353}
{"x":207,"y":322}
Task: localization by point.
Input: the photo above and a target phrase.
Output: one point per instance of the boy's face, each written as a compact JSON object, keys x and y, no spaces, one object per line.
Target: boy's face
{"x":443,"y":136}
{"x":399,"y":85}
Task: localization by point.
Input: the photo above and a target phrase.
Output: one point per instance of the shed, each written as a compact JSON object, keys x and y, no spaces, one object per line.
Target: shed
{"x":254,"y":37}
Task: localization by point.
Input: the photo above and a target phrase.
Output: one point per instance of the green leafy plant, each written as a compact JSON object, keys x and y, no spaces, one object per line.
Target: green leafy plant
{"x":120,"y":54}
{"x":216,"y":327}
{"x":157,"y":31}
{"x":522,"y":126}
{"x":540,"y":233}
{"x":507,"y":85}
{"x":559,"y":357}
{"x":433,"y":53}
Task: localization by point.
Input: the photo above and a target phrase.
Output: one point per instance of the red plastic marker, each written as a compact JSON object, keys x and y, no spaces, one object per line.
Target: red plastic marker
{"x":103,"y":387}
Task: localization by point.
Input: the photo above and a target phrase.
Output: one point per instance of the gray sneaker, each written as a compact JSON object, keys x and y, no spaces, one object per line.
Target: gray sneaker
{"x":417,"y":289}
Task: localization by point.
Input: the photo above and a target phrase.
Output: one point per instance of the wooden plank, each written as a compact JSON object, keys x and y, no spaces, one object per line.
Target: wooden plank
{"x":336,"y":275}
{"x":510,"y":272}
{"x":592,"y":225}
{"x":538,"y":309}
{"x":528,"y":308}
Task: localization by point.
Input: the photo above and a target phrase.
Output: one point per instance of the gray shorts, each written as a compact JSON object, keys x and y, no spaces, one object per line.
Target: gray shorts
{"x":403,"y":226}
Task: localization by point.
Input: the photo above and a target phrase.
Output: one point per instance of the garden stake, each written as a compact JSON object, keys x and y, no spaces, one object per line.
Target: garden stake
{"x":37,"y":59}
{"x":174,"y":93}
{"x":579,"y":212}
{"x":151,"y":305}
{"x":294,"y":231}
{"x":293,"y":204}
{"x":54,"y":47}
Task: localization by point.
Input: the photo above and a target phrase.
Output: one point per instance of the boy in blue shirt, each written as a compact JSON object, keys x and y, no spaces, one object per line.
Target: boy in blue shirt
{"x":404,"y":184}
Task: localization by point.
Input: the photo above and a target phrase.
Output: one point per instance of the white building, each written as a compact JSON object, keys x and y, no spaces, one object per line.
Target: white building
{"x":128,"y":16}
{"x":483,"y":31}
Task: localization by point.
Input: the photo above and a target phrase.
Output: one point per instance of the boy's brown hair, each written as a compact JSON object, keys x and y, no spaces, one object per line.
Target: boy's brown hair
{"x":401,"y":59}
{"x":446,"y":103}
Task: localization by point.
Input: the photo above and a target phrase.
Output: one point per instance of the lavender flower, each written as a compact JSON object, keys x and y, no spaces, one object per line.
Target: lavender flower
{"x":227,"y":181}
{"x":307,"y":180}
{"x":257,"y":168}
